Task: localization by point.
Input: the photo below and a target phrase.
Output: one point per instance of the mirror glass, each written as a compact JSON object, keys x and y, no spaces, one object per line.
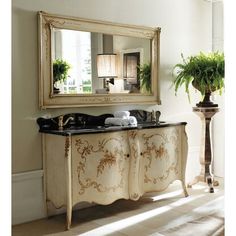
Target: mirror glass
{"x":79,"y":50}
{"x":85,"y":62}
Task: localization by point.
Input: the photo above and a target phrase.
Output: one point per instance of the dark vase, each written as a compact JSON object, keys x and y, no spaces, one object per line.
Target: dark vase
{"x":56,"y":90}
{"x":206,"y":102}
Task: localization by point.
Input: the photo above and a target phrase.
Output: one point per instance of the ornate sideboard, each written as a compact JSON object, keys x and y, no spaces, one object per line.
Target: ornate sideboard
{"x":102,"y":164}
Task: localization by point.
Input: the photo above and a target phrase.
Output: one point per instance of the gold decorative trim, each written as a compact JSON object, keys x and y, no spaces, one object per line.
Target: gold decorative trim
{"x":132,"y":134}
{"x":108,"y":160}
{"x":132,"y":137}
{"x":162,"y":178}
{"x":67,"y":146}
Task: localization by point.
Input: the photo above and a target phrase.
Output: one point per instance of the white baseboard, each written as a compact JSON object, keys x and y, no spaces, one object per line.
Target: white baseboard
{"x":28,"y":199}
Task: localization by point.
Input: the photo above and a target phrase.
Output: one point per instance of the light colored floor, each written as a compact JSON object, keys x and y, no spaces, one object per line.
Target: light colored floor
{"x":154,"y":214}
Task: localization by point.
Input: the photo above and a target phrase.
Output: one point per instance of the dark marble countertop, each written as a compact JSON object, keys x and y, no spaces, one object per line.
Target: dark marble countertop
{"x":79,"y":123}
{"x":90,"y":129}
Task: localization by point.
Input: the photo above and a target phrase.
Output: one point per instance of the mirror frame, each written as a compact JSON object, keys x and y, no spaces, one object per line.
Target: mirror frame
{"x":49,"y":100}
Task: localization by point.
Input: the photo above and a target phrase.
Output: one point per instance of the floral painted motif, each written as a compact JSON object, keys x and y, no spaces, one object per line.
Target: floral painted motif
{"x":154,"y":151}
{"x":111,"y":153}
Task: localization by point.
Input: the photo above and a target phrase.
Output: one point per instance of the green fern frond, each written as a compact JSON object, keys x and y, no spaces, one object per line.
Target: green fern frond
{"x":207,"y":71}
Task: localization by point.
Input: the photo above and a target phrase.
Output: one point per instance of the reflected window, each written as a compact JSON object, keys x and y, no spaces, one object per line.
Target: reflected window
{"x":74,"y":47}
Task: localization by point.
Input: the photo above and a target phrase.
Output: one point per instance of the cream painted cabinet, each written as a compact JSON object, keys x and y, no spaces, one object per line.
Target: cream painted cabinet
{"x":106,"y":166}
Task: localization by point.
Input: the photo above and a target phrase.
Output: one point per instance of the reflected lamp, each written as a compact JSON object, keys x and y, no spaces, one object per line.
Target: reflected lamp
{"x":107,"y":68}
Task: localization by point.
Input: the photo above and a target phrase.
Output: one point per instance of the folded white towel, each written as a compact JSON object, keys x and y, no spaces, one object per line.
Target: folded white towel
{"x":132,"y":120}
{"x":121,"y":121}
{"x":116,"y":121}
{"x":121,"y":114}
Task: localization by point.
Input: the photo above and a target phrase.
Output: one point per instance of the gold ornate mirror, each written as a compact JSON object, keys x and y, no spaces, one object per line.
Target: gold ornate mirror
{"x":93,"y":63}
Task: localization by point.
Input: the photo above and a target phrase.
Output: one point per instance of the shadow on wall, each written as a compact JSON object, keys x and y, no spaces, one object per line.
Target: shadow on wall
{"x":24,"y":61}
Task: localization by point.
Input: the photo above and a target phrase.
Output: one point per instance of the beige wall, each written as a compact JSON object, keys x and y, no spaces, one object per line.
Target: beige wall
{"x":186,"y":27}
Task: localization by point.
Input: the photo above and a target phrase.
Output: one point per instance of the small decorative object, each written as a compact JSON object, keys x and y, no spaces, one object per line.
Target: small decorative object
{"x":144,"y":76}
{"x":206,"y":73}
{"x":60,"y":72}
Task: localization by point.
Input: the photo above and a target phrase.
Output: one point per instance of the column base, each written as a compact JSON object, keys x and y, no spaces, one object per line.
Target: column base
{"x":205,"y":179}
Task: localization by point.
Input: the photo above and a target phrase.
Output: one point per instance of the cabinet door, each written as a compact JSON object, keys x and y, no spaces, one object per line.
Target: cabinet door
{"x":160,"y":157}
{"x":100,"y":166}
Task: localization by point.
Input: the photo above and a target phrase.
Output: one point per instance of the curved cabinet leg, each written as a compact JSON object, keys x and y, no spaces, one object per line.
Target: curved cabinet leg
{"x":68,"y":182}
{"x":184,"y":188}
{"x":50,"y":208}
{"x":68,"y":217}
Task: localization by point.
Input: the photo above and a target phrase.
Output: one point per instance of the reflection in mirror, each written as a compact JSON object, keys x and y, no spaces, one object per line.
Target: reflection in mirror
{"x":107,"y":70}
{"x":89,"y":59}
{"x":73,"y":47}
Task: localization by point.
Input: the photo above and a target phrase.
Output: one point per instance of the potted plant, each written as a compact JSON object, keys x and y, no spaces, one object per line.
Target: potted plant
{"x":60,"y":72}
{"x":206,"y":73}
{"x":144,"y":76}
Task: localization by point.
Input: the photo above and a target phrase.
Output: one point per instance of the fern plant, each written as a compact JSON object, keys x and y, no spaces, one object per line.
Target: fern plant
{"x":60,"y":70}
{"x":144,"y":75}
{"x":205,"y":71}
